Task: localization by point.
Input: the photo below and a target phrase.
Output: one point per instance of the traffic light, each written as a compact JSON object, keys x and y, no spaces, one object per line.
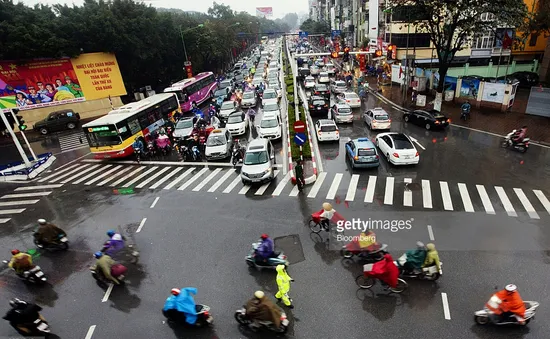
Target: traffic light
{"x":20,"y":121}
{"x":334,"y":55}
{"x":346,"y":54}
{"x":390,"y":52}
{"x":378,"y":53}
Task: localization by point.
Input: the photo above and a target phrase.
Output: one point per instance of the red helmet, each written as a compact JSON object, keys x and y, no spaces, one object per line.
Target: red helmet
{"x":14,"y":252}
{"x":175,"y":291}
{"x":265,"y":236}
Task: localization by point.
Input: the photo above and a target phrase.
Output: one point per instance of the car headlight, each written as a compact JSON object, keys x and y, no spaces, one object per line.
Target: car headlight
{"x":245,"y":174}
{"x":267,"y":171}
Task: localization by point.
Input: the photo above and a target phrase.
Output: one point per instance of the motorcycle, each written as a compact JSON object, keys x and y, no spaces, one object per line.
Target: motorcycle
{"x":36,"y":327}
{"x":465,"y":114}
{"x":203,"y":316}
{"x":137,"y":153}
{"x":237,"y":155}
{"x":484,"y":316}
{"x":278,"y":258}
{"x":242,"y":318}
{"x":352,"y":249}
{"x":62,"y":243}
{"x":151,"y":150}
{"x":521,"y":146}
{"x":34,"y":275}
{"x":164,"y":147}
{"x":99,"y":276}
{"x":428,"y":273}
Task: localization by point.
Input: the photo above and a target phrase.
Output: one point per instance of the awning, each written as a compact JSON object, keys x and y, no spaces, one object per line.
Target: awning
{"x":427,"y":61}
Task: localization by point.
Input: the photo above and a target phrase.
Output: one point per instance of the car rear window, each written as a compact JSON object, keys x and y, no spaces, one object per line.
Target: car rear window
{"x":328,"y":128}
{"x":364,"y":152}
{"x":351,"y":96}
{"x":344,"y":111}
{"x":321,"y":87}
{"x":318,"y":102}
{"x":403,"y":144}
{"x":381,"y":117}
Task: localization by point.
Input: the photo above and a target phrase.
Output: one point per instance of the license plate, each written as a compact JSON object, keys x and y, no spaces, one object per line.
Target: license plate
{"x":408,"y":157}
{"x":210,"y":320}
{"x":64,"y":239}
{"x":285,"y":322}
{"x":39,"y":274}
{"x":42,"y":326}
{"x":318,"y":107}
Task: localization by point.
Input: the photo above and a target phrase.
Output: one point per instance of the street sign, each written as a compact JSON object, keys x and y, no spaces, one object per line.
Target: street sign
{"x":187,"y":63}
{"x":302,"y":35}
{"x":299,"y":139}
{"x":299,"y":127}
{"x":335,"y":33}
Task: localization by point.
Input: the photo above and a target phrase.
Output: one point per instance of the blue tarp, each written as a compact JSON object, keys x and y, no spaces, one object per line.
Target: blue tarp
{"x":184,"y":303}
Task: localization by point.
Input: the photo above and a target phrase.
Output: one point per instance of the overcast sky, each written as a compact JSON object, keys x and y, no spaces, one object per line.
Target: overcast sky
{"x":280,"y":7}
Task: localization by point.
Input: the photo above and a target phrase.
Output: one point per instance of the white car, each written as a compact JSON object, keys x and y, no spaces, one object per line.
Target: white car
{"x":324,"y":78}
{"x":270,"y":126}
{"x":249,"y":99}
{"x":218,"y":145}
{"x":227,"y":108}
{"x":330,"y":69}
{"x":273,"y":64}
{"x":339,"y":87}
{"x":309,"y":82}
{"x":258,"y":162}
{"x":237,"y":123}
{"x":271,"y":106}
{"x":377,"y":118}
{"x":319,"y":62}
{"x":314,"y":70}
{"x":350,"y":98}
{"x":269,"y":94}
{"x":327,"y":130}
{"x":398,"y":148}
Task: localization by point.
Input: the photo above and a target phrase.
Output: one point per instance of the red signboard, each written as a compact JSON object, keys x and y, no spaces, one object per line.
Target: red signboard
{"x":299,"y":127}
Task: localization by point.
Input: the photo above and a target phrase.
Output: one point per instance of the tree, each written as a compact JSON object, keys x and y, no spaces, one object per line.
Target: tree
{"x":291,"y":19}
{"x":453,"y":24}
{"x":312,"y":26}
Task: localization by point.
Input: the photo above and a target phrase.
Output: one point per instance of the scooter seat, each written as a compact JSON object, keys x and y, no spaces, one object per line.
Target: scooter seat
{"x":275,"y":254}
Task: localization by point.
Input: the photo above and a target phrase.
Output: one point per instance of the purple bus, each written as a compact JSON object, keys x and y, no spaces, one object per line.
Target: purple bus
{"x":194,"y":90}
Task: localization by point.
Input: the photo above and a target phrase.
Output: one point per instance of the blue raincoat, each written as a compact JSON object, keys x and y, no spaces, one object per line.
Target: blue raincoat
{"x":184,"y":303}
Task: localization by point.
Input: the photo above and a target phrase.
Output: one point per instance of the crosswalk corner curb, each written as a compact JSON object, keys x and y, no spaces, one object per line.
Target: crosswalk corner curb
{"x":310,"y":180}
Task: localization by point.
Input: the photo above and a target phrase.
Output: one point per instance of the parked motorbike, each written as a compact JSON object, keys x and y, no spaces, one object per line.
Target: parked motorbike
{"x":484,"y":316}
{"x":278,"y":258}
{"x":34,"y":275}
{"x":203,"y":316}
{"x":428,"y":273}
{"x":521,"y":146}
{"x":62,"y":243}
{"x":242,"y":318}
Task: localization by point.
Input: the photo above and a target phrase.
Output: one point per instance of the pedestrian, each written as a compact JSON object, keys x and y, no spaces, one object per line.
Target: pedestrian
{"x":283,"y":283}
{"x":299,"y":171}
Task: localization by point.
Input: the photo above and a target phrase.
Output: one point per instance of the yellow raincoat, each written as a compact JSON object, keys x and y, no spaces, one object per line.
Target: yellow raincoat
{"x":283,"y":283}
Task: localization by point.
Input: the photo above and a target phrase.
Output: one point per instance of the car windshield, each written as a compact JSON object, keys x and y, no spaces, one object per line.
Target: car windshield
{"x":340,"y":84}
{"x":381,"y":117}
{"x":318,"y":102}
{"x":270,"y":95}
{"x":328,"y":128}
{"x":216,"y":140}
{"x":184,"y":124}
{"x":228,"y":105}
{"x":235,"y":119}
{"x":271,"y":106}
{"x":402,"y":142}
{"x":362,"y":152}
{"x":323,"y":74}
{"x":269,"y":123}
{"x":248,"y":95}
{"x":224,"y":84}
{"x":344,"y":111}
{"x":255,"y":158}
{"x":351,"y":96}
{"x":329,"y":66}
{"x":321,"y":87}
{"x":220,"y":93}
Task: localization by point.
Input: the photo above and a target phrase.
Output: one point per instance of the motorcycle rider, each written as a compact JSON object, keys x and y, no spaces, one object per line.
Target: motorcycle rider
{"x":251,"y":114}
{"x":519,"y":135}
{"x":105,"y":263}
{"x":507,"y":303}
{"x":22,"y":315}
{"x":114,"y":245}
{"x":162,"y":141}
{"x":180,"y":306}
{"x":466,"y":107}
{"x":261,"y":309}
{"x":193,"y":142}
{"x":20,"y":261}
{"x":47,"y":233}
{"x":415,"y":258}
{"x":138,"y":145}
{"x":327,"y":215}
{"x":283,"y":283}
{"x":265,"y":250}
{"x":432,"y":257}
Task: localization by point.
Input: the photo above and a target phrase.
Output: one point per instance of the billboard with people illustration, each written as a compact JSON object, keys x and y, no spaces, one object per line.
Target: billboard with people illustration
{"x":52,"y":82}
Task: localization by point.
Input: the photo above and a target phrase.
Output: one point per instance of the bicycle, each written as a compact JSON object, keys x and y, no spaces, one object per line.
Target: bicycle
{"x":367,"y":282}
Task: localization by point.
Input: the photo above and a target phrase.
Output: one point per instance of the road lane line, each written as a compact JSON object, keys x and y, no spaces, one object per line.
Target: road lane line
{"x":57,"y":173}
{"x":281,"y":186}
{"x":317,"y":186}
{"x":141,"y":225}
{"x":446,"y":310}
{"x":26,"y":195}
{"x":485,"y":199}
{"x":334,"y":186}
{"x":446,"y":196}
{"x":3,"y":221}
{"x":388,"y":196}
{"x":506,"y":202}
{"x":294,"y":192}
{"x":153,"y":177}
{"x":127,"y":176}
{"x":180,"y":178}
{"x":89,"y":175}
{"x":90,"y":332}
{"x":72,"y":171}
{"x":245,"y":189}
{"x":14,"y":211}
{"x":108,"y":292}
{"x":221,"y":180}
{"x":155,"y":202}
{"x":408,"y":194}
{"x":427,"y":194}
{"x":64,"y":181}
{"x":170,"y":163}
{"x":371,"y":186}
{"x":526,"y":204}
{"x":118,"y":173}
{"x":431,"y":233}
{"x":232,"y":185}
{"x":543,"y":200}
{"x":19,"y":202}
{"x":166,"y":177}
{"x":207,"y":180}
{"x":193,"y":179}
{"x":352,"y":189}
{"x":468,"y":207}
{"x":139,"y":177}
{"x":32,"y":188}
{"x":264,"y":187}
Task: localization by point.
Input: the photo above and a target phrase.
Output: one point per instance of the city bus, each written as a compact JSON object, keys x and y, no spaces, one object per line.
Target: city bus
{"x":194,"y":90}
{"x":112,"y":135}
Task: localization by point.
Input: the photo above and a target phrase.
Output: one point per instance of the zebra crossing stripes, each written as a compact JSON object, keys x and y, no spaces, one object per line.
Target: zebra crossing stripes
{"x":4,"y":220}
{"x":39,"y":187}
{"x":468,"y":206}
{"x":25,"y":195}
{"x":56,"y":173}
{"x":334,"y":186}
{"x":139,"y":177}
{"x":543,"y":200}
{"x":218,"y":183}
{"x":232,"y":185}
{"x":153,"y":177}
{"x":352,"y":189}
{"x":485,"y":200}
{"x":388,"y":195}
{"x":66,"y":180}
{"x":193,"y":179}
{"x":72,"y":142}
{"x":207,"y":180}
{"x":426,"y":194}
{"x":408,"y":194}
{"x":19,"y":202}
{"x":14,"y":211}
{"x":506,"y":202}
{"x":14,"y":207}
{"x":91,"y":174}
{"x":114,"y":176}
{"x":166,"y":177}
{"x":526,"y":203}
{"x":264,"y":187}
{"x":102,"y":175}
{"x":127,"y":176}
{"x":369,"y":195}
{"x":294,"y":192}
{"x":446,"y":196}
{"x":180,"y":178}
{"x":316,"y":186}
{"x":64,"y":175}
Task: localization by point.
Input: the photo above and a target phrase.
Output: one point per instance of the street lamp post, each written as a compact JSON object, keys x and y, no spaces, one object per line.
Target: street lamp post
{"x":183,"y":41}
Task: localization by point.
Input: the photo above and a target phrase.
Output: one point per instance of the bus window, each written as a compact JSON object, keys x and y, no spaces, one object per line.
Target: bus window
{"x":134,"y":126}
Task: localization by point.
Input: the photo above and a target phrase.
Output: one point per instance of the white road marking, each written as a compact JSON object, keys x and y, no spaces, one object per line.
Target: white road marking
{"x":416,"y":142}
{"x":66,"y":180}
{"x":232,"y":185}
{"x":153,"y":177}
{"x":334,"y":186}
{"x":388,"y":196}
{"x":141,"y":225}
{"x":352,"y":189}
{"x":506,"y":202}
{"x":3,"y":221}
{"x":371,"y":186}
{"x":108,"y":292}
{"x":193,"y":179}
{"x":19,"y":202}
{"x":32,"y":188}
{"x":526,"y":204}
{"x":221,"y":180}
{"x":427,"y":194}
{"x":543,"y":200}
{"x":282,"y":185}
{"x":90,"y":332}
{"x":485,"y":199}
{"x":431,"y":233}
{"x":317,"y":186}
{"x":118,"y":173}
{"x":446,"y":310}
{"x":468,"y":207}
{"x":294,"y":192}
{"x":245,"y":189}
{"x":15,"y":211}
{"x":155,"y":202}
{"x":408,"y":194}
{"x":166,"y":177}
{"x":72,"y":171}
{"x":264,"y":187}
{"x":127,"y":176}
{"x":89,"y":175}
{"x":171,"y":163}
{"x":57,"y":173}
{"x":207,"y":180}
{"x":139,"y":177}
{"x":180,"y":178}
{"x":25,"y":195}
{"x":446,"y":195}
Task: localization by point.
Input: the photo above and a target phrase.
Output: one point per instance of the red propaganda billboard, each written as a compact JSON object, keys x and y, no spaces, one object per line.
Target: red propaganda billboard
{"x":264,"y":12}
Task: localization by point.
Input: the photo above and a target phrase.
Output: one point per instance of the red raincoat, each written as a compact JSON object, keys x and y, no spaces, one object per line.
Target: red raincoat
{"x":384,"y":270}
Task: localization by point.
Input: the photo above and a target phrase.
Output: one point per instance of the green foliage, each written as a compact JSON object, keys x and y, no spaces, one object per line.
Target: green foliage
{"x":312,"y":26}
{"x":295,"y":149}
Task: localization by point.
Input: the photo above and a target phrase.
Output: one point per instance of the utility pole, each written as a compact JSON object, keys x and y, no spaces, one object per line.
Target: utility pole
{"x":25,"y":138}
{"x":15,"y":140}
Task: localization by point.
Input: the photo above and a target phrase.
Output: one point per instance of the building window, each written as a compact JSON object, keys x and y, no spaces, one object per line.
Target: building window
{"x":417,"y":40}
{"x":487,"y":17}
{"x":486,"y":40}
{"x":408,"y":14}
{"x":533,"y":39}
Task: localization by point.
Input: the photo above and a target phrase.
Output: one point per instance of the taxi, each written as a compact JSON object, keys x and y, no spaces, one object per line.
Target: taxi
{"x":218,"y":144}
{"x":362,"y":153}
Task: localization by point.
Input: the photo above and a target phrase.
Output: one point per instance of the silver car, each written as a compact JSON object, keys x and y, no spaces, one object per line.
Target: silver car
{"x":338,"y":86}
{"x":249,"y":99}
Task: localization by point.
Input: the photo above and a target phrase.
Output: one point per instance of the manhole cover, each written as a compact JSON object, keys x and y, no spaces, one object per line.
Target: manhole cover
{"x":414,"y":186}
{"x":291,"y":246}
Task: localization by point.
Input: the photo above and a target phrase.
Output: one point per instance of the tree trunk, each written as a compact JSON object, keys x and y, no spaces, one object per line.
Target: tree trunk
{"x":442,"y":73}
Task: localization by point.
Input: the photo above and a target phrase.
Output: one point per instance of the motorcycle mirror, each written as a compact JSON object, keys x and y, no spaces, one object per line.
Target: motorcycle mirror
{"x":5,"y":261}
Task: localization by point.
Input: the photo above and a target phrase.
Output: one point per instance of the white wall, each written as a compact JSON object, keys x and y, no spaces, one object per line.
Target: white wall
{"x":373,"y":19}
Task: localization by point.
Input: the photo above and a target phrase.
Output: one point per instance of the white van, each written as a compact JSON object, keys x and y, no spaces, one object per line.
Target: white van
{"x":258,"y":162}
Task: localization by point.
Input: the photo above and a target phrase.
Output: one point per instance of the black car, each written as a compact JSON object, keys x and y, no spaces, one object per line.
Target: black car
{"x":321,"y":90}
{"x":427,"y":119}
{"x":58,"y":121}
{"x":303,"y":73}
{"x":318,"y":105}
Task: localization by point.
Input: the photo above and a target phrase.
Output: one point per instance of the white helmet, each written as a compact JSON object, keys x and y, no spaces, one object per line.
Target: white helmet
{"x":259,"y":294}
{"x":511,"y":288}
{"x":42,"y":221}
